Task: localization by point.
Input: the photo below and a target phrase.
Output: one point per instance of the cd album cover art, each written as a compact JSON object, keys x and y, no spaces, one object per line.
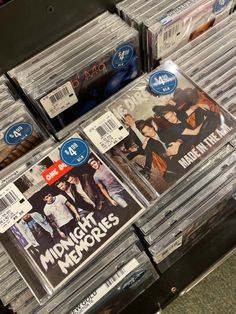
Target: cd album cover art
{"x":94,"y":83}
{"x":19,"y":134}
{"x":172,"y":126}
{"x":77,"y":206}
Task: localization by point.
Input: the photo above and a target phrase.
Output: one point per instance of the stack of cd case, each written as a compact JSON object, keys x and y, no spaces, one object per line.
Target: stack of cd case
{"x":193,"y":183}
{"x":7,"y":98}
{"x":204,"y":204}
{"x":183,"y":235}
{"x":176,"y":112}
{"x":172,"y":128}
{"x":103,"y":286}
{"x":165,"y":26}
{"x":20,"y":132}
{"x":80,"y":71}
{"x":62,"y":214}
{"x":210,"y":61}
{"x":128,"y":274}
{"x":13,"y":288}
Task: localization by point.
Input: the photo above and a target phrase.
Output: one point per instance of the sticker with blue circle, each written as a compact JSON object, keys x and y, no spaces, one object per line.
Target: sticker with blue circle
{"x":122,"y":56}
{"x":18,"y":132}
{"x":220,"y":5}
{"x":163,"y":82}
{"x":74,"y":152}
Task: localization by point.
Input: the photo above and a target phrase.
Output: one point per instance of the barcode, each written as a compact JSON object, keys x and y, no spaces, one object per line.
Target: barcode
{"x":170,"y":32}
{"x":107,"y":127}
{"x":64,"y":92}
{"x":165,"y":252}
{"x":115,"y":277}
{"x":8,"y":200}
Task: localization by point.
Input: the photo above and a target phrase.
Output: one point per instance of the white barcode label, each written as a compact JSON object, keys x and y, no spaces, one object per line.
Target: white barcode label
{"x":13,"y":206}
{"x":106,"y":132}
{"x":59,"y":100}
{"x":168,"y":250}
{"x":115,"y":277}
{"x":95,"y":296}
{"x":169,"y":38}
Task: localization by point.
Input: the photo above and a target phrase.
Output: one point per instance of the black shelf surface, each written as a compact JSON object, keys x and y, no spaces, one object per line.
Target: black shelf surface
{"x":200,"y":258}
{"x":29,"y":26}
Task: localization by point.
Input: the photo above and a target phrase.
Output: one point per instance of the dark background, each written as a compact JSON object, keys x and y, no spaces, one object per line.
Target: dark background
{"x":29,"y":26}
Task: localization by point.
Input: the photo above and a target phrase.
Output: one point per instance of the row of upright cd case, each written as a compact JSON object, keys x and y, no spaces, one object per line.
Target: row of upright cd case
{"x":82,"y":205}
{"x":21,"y":133}
{"x":66,"y":206}
{"x":76,"y":74}
{"x":83,"y":69}
{"x":110,"y":287}
{"x":174,"y":229}
{"x":210,"y":62}
{"x":166,"y":26}
{"x":184,"y":216}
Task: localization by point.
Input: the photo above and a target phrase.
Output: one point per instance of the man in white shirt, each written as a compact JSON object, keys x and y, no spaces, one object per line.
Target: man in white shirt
{"x":59,"y":211}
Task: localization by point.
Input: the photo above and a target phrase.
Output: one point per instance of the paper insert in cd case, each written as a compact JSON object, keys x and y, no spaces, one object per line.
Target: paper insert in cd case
{"x":171,"y":126}
{"x":71,"y":88}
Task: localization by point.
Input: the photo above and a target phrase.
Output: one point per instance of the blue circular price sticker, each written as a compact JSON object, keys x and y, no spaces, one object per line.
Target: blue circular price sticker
{"x":18,"y":132}
{"x":163,"y":82}
{"x":122,"y":56}
{"x":74,"y":152}
{"x":220,"y":5}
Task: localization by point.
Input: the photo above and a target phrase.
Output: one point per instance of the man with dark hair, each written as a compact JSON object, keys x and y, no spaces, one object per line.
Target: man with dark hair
{"x":74,"y":180}
{"x":145,"y":126}
{"x":83,"y":204}
{"x":179,"y":128}
{"x":193,"y":107}
{"x":108,"y":184}
{"x":166,"y":164}
{"x":59,"y":211}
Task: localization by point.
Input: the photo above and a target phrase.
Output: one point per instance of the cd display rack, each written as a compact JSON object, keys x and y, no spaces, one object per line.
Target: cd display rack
{"x":29,"y":26}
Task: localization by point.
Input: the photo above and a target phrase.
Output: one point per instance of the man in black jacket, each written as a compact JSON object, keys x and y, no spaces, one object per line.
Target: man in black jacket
{"x":87,"y":188}
{"x":82,"y":205}
{"x":155,"y":145}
